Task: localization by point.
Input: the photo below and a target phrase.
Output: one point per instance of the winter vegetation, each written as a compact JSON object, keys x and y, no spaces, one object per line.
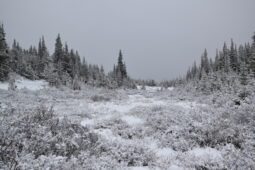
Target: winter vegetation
{"x":59,"y":112}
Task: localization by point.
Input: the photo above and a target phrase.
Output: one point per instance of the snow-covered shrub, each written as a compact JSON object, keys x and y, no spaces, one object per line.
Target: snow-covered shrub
{"x":131,"y":154}
{"x":123,"y":130}
{"x":238,"y":159}
{"x":40,"y":133}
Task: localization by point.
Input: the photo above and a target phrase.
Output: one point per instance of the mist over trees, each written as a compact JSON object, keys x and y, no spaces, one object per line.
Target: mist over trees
{"x":63,"y":67}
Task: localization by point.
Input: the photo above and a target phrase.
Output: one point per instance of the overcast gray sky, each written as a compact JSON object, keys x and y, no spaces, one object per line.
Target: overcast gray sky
{"x":159,"y":38}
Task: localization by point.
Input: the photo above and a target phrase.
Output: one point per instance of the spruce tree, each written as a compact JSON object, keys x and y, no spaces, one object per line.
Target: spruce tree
{"x":121,"y":66}
{"x":226,"y":58}
{"x":58,"y":56}
{"x":66,"y":60}
{"x":120,"y":72}
{"x":243,"y":74}
{"x":205,"y":62}
{"x":4,"y":56}
{"x":43,"y":57}
{"x":217,"y":62}
{"x":252,"y":58}
{"x":84,"y":70}
{"x":233,"y":57}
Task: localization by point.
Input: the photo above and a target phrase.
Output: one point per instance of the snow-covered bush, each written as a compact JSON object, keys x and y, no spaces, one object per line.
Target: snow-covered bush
{"x":40,"y":133}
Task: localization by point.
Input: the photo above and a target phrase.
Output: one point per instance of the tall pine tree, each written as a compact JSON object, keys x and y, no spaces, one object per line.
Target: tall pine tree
{"x":252,"y":57}
{"x":58,"y":56}
{"x":4,"y":57}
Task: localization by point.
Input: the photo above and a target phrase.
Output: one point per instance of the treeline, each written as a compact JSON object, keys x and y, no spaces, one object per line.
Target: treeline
{"x":231,"y":66}
{"x":63,"y":67}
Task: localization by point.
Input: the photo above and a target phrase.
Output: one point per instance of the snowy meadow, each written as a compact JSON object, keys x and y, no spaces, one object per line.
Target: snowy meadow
{"x":96,"y":128}
{"x":135,"y":108}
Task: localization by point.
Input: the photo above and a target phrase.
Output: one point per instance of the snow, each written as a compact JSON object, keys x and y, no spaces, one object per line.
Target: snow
{"x":170,"y":88}
{"x":107,"y":134}
{"x":165,"y":152}
{"x":143,"y":120}
{"x":175,"y":167}
{"x":23,"y":83}
{"x":87,"y":122}
{"x":205,"y":153}
{"x":3,"y":85}
{"x":154,"y":89}
{"x":108,"y":110}
{"x":171,"y":167}
{"x":188,"y":105}
{"x":131,"y":120}
{"x":139,"y":168}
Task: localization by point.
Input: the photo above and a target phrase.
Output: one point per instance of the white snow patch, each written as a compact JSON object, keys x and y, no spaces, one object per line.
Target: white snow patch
{"x":87,"y":122}
{"x":170,"y":88}
{"x":139,"y":168}
{"x":4,"y":85}
{"x":186,"y":105}
{"x":206,"y":154}
{"x":189,"y":105}
{"x":152,"y":144}
{"x":23,"y":83}
{"x":107,"y":134}
{"x":165,"y":152}
{"x":131,"y":120}
{"x":172,"y":167}
{"x":175,"y":167}
{"x":153,"y":88}
{"x":31,"y":85}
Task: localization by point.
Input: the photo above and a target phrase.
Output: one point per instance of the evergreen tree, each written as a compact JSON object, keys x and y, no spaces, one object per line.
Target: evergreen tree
{"x":243,"y":75}
{"x":84,"y":70}
{"x":194,"y":71}
{"x":58,"y":56}
{"x":4,"y":56}
{"x":252,"y":57}
{"x":248,"y":54}
{"x":66,"y":60}
{"x":205,"y":62}
{"x":217,"y":62}
{"x":43,"y":57}
{"x":226,"y":58}
{"x":72,"y":64}
{"x":121,"y":67}
{"x":233,"y":57}
{"x":77,"y":64}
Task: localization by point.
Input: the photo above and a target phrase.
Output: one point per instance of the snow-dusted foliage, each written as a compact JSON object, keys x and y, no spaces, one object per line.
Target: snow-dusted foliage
{"x":98,"y":128}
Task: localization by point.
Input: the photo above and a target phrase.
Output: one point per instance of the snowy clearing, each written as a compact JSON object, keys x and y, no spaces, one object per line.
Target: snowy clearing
{"x":137,"y":129}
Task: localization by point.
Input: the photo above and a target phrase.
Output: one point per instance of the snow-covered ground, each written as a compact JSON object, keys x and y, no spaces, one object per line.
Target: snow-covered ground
{"x":154,"y":88}
{"x":23,"y":83}
{"x":145,"y":125}
{"x":126,"y":112}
